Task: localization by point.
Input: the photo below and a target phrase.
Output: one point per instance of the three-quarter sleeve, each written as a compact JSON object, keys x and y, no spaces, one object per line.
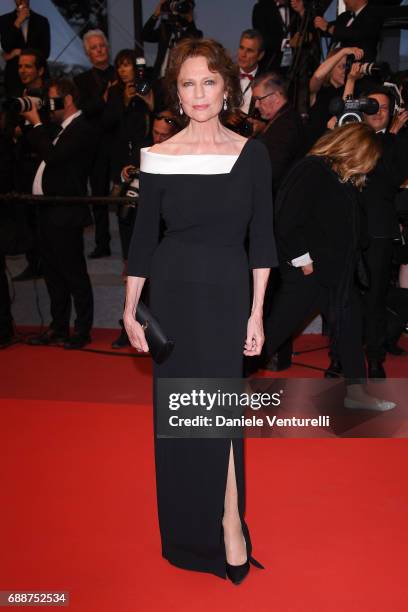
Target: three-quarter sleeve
{"x":145,"y":236}
{"x":262,"y":247}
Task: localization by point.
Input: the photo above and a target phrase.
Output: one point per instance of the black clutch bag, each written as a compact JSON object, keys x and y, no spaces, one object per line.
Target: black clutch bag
{"x":160,"y":347}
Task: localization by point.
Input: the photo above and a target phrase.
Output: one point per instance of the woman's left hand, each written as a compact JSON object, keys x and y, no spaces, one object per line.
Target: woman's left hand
{"x":255,"y":336}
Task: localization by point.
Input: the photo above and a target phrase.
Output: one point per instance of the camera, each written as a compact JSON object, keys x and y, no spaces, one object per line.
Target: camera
{"x":351,"y":110}
{"x":180,"y":7}
{"x":34,"y":98}
{"x":142,"y":85}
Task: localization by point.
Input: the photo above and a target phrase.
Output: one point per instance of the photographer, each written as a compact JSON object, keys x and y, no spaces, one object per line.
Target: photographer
{"x":378,"y":200}
{"x":359,"y":26}
{"x":165,"y":125}
{"x":6,"y":185}
{"x":64,"y":171}
{"x":327,"y":82}
{"x":126,"y":117}
{"x":274,"y":20}
{"x":31,"y":69}
{"x":19,"y":30}
{"x":170,"y":22}
{"x":305,"y":45}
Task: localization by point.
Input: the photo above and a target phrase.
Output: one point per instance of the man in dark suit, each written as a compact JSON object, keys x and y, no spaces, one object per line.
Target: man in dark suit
{"x":167,"y":28}
{"x":64,"y":171}
{"x":283,"y":137}
{"x":93,"y":87}
{"x":19,"y":30}
{"x":6,"y":185}
{"x":273,"y":19}
{"x":31,"y":70}
{"x":359,"y":26}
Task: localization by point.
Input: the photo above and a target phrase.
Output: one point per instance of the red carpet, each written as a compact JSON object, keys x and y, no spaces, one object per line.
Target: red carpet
{"x":328,"y":517}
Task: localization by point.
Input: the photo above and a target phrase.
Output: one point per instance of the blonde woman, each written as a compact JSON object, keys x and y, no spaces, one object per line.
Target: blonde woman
{"x":318,"y":231}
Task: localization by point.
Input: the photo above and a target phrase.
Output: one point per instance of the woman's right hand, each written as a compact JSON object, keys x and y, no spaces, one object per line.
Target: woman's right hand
{"x":135,"y":333}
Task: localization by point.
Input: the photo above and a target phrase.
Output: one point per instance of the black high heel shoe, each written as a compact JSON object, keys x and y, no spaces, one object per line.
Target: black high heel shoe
{"x":238,"y":573}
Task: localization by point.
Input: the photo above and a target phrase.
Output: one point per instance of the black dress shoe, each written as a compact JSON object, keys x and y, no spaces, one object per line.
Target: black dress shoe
{"x":376,"y":369}
{"x":77,"y":341}
{"x":277,"y":363}
{"x":394,"y":349}
{"x":48,"y":338}
{"x":121,"y":341}
{"x":334,"y":370}
{"x":29,"y":273}
{"x":99,"y":252}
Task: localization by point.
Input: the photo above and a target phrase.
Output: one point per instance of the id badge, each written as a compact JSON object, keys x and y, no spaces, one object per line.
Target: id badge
{"x":286,"y":54}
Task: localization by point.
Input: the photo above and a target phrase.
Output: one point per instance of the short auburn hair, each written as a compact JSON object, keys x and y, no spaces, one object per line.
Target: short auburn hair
{"x":352,"y":150}
{"x":218,"y":60}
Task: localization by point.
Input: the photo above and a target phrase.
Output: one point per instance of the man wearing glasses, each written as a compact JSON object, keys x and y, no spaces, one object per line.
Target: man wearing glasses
{"x":284,"y":139}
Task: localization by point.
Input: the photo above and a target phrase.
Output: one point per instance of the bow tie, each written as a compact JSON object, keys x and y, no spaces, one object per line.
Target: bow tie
{"x":244,"y":75}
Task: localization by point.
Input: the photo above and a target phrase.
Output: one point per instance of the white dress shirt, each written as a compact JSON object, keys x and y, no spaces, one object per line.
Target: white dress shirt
{"x":37,"y":184}
{"x":247,"y":90}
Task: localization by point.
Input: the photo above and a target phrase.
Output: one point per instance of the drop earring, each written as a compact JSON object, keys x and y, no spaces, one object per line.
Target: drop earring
{"x":180,"y":109}
{"x":225,"y":105}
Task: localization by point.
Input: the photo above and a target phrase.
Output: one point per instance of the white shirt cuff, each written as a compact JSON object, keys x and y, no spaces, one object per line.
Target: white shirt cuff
{"x":303,"y":260}
{"x":37,"y":124}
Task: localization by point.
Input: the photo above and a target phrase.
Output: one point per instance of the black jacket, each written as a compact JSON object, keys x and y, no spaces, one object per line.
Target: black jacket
{"x":364,"y":32}
{"x":38,"y":37}
{"x":284,"y":139}
{"x":266,"y":18}
{"x":127,"y":129}
{"x":157,"y":30}
{"x":378,"y":197}
{"x":67,"y":169}
{"x":317,"y":214}
{"x":92,"y":85}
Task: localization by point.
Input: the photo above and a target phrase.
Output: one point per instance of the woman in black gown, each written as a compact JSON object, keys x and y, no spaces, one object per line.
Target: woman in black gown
{"x":212,"y":188}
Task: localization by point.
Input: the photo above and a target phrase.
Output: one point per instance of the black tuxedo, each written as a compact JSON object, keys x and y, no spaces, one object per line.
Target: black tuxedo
{"x":68,"y":163}
{"x":38,"y":37}
{"x":364,"y":32}
{"x":92,"y":85}
{"x":154,"y":32}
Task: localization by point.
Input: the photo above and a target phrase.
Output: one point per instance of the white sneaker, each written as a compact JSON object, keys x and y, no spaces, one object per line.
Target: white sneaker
{"x":379,"y":405}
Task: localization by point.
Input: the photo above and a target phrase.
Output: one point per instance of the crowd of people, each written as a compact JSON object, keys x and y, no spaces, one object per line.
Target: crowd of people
{"x":83,"y":136}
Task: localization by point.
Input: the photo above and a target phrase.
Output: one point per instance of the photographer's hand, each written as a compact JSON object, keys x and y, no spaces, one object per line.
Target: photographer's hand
{"x":129,"y":93}
{"x":22,"y":15}
{"x":106,"y":92}
{"x":148,"y":99}
{"x":321,"y":24}
{"x":158,"y":9}
{"x":32,"y":116}
{"x":399,"y":122}
{"x":125,"y":173}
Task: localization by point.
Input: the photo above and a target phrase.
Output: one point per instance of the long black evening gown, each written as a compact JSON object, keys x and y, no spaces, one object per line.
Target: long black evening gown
{"x":212,"y":207}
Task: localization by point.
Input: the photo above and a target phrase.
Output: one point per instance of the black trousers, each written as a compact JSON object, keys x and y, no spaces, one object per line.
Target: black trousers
{"x":300,"y":297}
{"x":66,"y":277}
{"x":99,"y":181}
{"x":6,"y":321}
{"x":378,"y":257}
